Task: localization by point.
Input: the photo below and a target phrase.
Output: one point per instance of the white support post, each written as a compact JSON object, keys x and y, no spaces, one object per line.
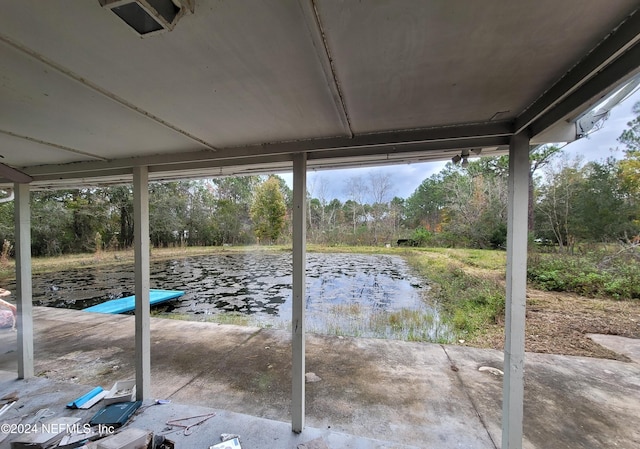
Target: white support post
{"x":141,"y":248}
{"x":299,"y":300}
{"x":517,"y":237}
{"x":24,"y":289}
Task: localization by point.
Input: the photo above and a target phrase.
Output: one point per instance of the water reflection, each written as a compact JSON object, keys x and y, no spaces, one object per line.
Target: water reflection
{"x":350,"y":294}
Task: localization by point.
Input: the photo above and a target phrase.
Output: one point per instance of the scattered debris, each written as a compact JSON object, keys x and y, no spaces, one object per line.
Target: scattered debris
{"x":45,"y":435}
{"x":491,"y":370}
{"x":10,"y":422}
{"x":454,"y":368}
{"x":40,"y":415}
{"x":234,"y":443}
{"x":115,"y":415}
{"x":228,"y":436}
{"x":6,"y":407}
{"x":11,"y":397}
{"x":89,"y":399}
{"x":122,"y":391}
{"x":187,"y":427}
{"x":312,"y":377}
{"x":160,"y":442}
{"x":131,"y":438}
{"x":78,"y":437}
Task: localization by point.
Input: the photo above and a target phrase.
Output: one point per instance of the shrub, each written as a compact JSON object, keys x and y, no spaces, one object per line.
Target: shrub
{"x":583,"y":275}
{"x":421,"y":236}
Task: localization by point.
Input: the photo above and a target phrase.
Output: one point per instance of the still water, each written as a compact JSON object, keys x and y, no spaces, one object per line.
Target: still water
{"x":347,"y":294}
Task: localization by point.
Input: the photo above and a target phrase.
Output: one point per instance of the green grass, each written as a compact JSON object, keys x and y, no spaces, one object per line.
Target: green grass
{"x":480,"y":258}
{"x":469,"y":302}
{"x":236,"y":318}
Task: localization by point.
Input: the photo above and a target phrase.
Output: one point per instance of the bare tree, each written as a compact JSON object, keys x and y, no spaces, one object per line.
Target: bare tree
{"x":356,"y":191}
{"x":379,"y":189}
{"x":555,"y":199}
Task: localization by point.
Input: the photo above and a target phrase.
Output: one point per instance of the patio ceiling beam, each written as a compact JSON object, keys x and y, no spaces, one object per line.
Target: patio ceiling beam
{"x":614,"y":45}
{"x":462,"y":136}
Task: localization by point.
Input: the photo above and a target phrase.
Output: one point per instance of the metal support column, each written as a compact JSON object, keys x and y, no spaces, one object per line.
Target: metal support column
{"x":299,"y":300}
{"x":24,"y":289}
{"x":141,"y":248}
{"x":517,"y":236}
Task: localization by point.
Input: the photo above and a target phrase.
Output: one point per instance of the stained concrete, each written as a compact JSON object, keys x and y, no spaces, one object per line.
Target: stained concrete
{"x":621,"y":345}
{"x":372,"y":393}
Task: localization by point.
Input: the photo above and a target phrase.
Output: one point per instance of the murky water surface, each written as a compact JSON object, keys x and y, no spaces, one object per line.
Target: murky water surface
{"x":347,"y":294}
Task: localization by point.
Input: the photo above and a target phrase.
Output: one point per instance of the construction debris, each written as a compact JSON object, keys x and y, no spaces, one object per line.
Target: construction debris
{"x":122,"y":391}
{"x":115,"y":415}
{"x":45,"y":434}
{"x":130,"y":438}
{"x":182,"y":422}
{"x":229,"y":444}
{"x":89,"y":399}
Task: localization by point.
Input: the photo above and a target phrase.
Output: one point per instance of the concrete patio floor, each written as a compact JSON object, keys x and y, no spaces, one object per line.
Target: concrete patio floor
{"x":371,"y":393}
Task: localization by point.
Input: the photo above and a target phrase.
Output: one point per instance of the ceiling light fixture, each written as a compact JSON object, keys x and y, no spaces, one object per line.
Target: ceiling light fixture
{"x":463,"y":157}
{"x":148,"y":17}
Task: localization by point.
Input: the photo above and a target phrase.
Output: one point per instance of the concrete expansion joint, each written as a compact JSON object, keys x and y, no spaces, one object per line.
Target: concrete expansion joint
{"x":456,"y":370}
{"x":204,"y":372}
{"x":249,"y":338}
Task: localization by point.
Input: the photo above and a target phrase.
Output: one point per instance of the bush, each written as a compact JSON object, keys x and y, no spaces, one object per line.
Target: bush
{"x":498,"y":238}
{"x":583,"y":275}
{"x":421,"y":236}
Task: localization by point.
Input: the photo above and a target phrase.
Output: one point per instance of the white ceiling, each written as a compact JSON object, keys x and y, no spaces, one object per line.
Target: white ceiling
{"x":238,"y":86}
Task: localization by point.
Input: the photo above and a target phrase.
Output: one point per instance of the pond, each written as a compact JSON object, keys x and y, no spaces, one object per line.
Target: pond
{"x":347,"y":294}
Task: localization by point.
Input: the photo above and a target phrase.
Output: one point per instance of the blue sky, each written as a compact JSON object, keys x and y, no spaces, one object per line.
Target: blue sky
{"x":406,"y":178}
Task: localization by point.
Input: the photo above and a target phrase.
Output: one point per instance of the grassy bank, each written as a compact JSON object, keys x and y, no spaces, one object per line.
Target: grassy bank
{"x":467,"y":284}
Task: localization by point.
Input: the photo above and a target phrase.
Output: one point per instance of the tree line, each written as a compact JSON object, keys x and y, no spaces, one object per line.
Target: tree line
{"x":461,"y":206}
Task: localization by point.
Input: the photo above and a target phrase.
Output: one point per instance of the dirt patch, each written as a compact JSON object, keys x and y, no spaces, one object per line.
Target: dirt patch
{"x":557,"y":323}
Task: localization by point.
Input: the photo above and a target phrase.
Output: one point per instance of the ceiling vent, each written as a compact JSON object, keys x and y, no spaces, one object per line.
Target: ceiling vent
{"x":148,"y":17}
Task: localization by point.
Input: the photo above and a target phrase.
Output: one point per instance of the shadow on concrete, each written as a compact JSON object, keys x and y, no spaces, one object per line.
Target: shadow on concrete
{"x":371,"y":393}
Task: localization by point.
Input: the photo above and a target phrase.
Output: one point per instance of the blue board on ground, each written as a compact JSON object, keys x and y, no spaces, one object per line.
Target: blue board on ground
{"x":128,"y":303}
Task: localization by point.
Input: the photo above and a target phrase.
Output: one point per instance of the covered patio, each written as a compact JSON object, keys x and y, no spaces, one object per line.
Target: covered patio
{"x":197,"y":88}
